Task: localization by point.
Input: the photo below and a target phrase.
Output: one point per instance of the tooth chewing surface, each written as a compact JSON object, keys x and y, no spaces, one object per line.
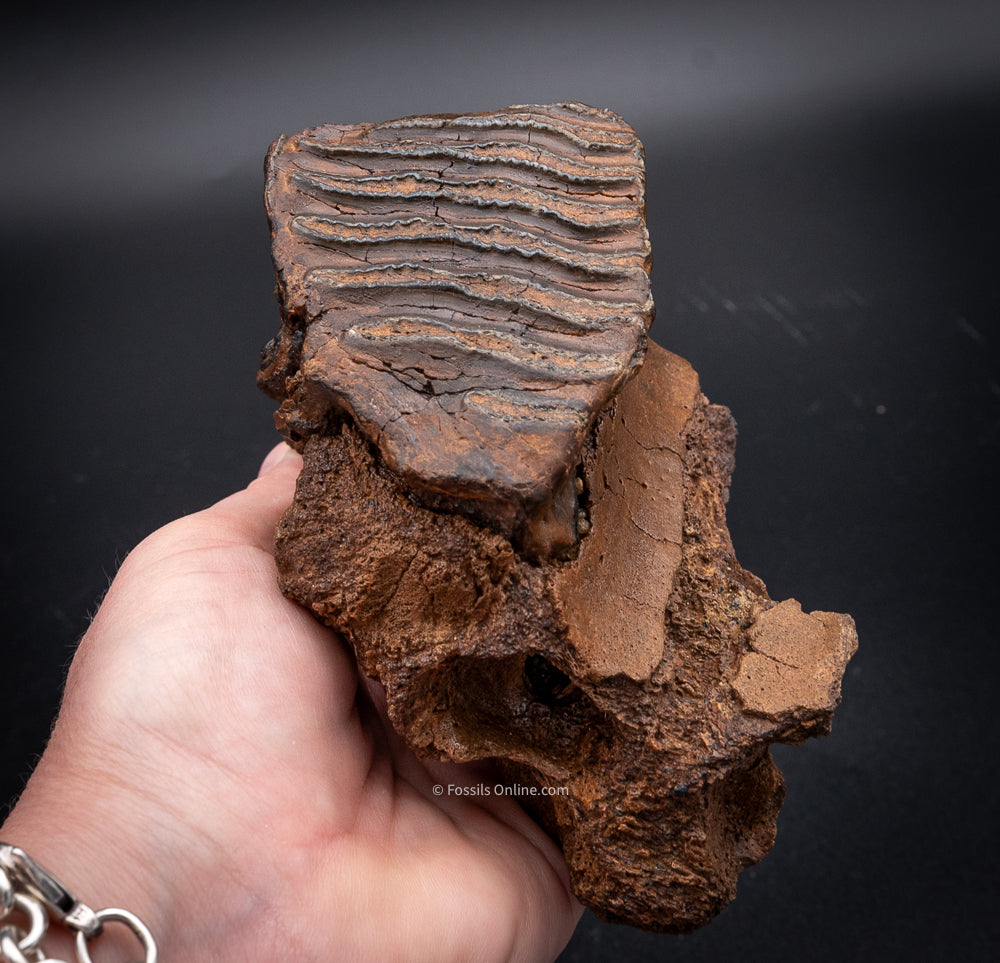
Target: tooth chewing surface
{"x":470,"y":289}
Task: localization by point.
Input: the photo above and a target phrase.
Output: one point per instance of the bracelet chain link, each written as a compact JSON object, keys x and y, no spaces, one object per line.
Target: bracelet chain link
{"x":32,"y":895}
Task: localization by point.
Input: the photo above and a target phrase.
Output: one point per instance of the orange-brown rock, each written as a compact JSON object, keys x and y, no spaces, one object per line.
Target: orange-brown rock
{"x":596,"y":636}
{"x":647,"y":675}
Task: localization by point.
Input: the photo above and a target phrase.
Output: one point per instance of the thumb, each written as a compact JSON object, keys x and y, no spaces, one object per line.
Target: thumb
{"x":280,"y":454}
{"x":252,"y":514}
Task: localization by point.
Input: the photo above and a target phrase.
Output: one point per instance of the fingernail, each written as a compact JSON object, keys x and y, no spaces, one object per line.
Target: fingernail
{"x":275,"y":457}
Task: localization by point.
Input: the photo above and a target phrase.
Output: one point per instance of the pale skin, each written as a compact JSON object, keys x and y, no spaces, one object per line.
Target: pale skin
{"x":218,"y":769}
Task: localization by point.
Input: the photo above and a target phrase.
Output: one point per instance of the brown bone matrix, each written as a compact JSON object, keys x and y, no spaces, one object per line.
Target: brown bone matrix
{"x":512,"y":503}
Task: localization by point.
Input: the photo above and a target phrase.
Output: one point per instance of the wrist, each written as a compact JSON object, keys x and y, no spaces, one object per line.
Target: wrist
{"x":58,"y":826}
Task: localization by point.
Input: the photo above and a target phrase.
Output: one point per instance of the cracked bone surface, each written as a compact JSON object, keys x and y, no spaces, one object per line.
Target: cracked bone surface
{"x":512,"y":504}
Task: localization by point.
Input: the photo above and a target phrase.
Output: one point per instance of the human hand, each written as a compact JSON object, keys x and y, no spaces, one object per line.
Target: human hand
{"x":218,"y":769}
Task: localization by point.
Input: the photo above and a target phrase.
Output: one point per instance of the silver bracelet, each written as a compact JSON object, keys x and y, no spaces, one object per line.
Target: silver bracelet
{"x":33,"y":893}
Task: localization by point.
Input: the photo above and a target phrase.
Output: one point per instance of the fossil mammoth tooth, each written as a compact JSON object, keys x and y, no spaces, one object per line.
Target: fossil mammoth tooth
{"x":513,"y":504}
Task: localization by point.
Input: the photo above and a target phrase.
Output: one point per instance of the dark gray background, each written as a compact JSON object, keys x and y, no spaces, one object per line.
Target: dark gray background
{"x":823,"y":205}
